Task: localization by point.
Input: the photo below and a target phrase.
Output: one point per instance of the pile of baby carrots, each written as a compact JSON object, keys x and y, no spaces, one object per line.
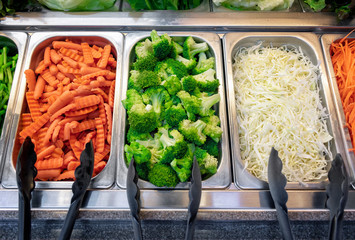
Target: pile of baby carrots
{"x":70,"y":97}
{"x":343,"y":59}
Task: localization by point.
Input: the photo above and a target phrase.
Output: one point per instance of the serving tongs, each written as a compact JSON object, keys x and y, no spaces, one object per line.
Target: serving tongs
{"x":133,"y":196}
{"x":337,"y":195}
{"x":25,"y":175}
{"x":277,"y":183}
{"x":83,"y":174}
{"x":195,"y":198}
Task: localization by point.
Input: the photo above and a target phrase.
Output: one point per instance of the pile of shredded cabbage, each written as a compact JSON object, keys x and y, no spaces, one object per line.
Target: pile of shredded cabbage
{"x":278,"y":105}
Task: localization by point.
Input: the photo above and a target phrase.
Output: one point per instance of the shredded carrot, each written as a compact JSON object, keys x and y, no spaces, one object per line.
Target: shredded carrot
{"x":343,"y":58}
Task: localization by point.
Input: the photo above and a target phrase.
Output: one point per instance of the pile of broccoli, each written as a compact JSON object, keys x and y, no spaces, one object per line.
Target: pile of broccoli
{"x":170,"y":100}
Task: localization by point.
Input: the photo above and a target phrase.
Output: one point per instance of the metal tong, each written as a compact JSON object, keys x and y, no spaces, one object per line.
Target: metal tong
{"x":337,"y":195}
{"x":25,"y":175}
{"x":277,"y":183}
{"x":83,"y":174}
{"x":133,"y":196}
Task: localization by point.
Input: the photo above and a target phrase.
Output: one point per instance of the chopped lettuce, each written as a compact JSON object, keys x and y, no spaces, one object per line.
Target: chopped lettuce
{"x":258,"y":5}
{"x":316,"y":5}
{"x":77,"y":5}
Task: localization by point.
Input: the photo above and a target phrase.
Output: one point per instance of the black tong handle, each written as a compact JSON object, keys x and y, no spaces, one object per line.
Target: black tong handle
{"x":337,"y":195}
{"x":25,"y":175}
{"x":277,"y":183}
{"x":83,"y":174}
{"x":195,"y":198}
{"x":133,"y":196}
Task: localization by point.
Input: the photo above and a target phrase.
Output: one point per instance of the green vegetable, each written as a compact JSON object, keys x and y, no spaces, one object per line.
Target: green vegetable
{"x":162,"y":175}
{"x":12,"y":6}
{"x":7,"y":70}
{"x":163,"y":4}
{"x":170,"y":110}
{"x":78,"y":5}
{"x":258,"y":5}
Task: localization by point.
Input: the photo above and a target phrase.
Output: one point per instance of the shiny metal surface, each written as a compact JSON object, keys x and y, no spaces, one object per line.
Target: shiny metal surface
{"x":20,"y":40}
{"x":222,"y":178}
{"x":37,"y":44}
{"x":326,"y":41}
{"x":310,"y":46}
{"x":203,"y":7}
{"x":180,"y":21}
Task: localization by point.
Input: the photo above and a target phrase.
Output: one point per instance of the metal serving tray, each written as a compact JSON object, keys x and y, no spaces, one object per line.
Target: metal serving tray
{"x":38,"y":42}
{"x":296,"y":7}
{"x":222,"y":179}
{"x":19,"y":41}
{"x":326,"y":41}
{"x":310,"y":46}
{"x":203,"y":7}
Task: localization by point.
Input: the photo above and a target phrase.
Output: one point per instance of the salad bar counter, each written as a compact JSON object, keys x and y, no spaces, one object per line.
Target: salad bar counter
{"x":232,"y":85}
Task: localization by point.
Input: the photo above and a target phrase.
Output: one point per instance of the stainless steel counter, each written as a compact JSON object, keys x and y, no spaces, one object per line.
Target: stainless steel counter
{"x":231,"y":204}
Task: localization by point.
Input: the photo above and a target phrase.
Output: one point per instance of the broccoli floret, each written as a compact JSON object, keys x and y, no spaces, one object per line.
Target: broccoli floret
{"x":208,"y":164}
{"x":174,"y":100}
{"x":133,"y":135}
{"x":163,"y":175}
{"x":145,"y":63}
{"x":175,"y":114}
{"x":144,"y":49}
{"x":183,"y":165}
{"x":162,"y":45}
{"x":140,"y":80}
{"x":193,"y":131}
{"x":191,"y":48}
{"x":156,"y":96}
{"x":140,"y":153}
{"x":207,"y":103}
{"x":212,"y":128}
{"x":172,"y":85}
{"x":206,"y":81}
{"x":174,"y":67}
{"x":142,"y":118}
{"x":189,"y":63}
{"x":190,"y":103}
{"x":142,"y":170}
{"x":156,"y":149}
{"x":189,"y":83}
{"x":203,"y":64}
{"x":160,"y":69}
{"x":211,"y":147}
{"x":132,"y":97}
{"x":176,"y":50}
{"x":174,"y":147}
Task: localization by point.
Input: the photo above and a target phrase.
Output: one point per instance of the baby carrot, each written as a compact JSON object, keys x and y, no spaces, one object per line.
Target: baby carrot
{"x":69,"y":45}
{"x":61,"y":101}
{"x":48,"y":174}
{"x":47,"y":56}
{"x":104,"y":58}
{"x":66,"y":175}
{"x":30,"y":79}
{"x":45,"y":152}
{"x":55,"y":57}
{"x":87,"y":53}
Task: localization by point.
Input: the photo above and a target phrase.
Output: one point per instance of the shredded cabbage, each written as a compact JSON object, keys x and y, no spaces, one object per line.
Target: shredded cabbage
{"x":258,"y":5}
{"x":278,"y":105}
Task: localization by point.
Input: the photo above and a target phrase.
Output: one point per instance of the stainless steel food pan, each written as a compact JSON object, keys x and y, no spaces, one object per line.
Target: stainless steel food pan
{"x":310,"y":46}
{"x":349,"y":156}
{"x":296,"y":7}
{"x":203,"y":7}
{"x":37,"y":44}
{"x":17,"y":41}
{"x":222,"y":178}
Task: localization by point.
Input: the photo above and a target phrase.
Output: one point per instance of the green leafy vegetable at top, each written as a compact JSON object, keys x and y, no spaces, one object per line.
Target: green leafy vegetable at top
{"x":78,"y":5}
